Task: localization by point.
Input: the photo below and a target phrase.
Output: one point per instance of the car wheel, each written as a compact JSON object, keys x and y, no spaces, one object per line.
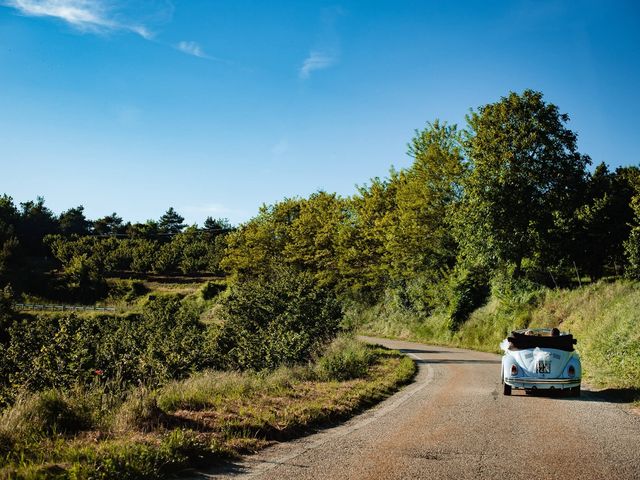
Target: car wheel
{"x":506,"y":389}
{"x":575,"y":391}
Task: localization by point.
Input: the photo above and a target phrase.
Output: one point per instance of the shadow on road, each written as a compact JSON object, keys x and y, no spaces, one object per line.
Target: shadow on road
{"x":610,"y":395}
{"x":613,"y":395}
{"x":418,"y":350}
{"x":451,"y":361}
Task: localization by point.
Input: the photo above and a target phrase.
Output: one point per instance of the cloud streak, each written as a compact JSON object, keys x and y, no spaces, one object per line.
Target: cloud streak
{"x":315,"y":61}
{"x":93,"y":16}
{"x":192,"y":48}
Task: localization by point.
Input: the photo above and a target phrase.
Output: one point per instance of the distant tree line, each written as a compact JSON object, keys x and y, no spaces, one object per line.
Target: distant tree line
{"x":34,"y":240}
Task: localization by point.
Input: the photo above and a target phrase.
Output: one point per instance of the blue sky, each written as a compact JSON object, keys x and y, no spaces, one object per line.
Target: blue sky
{"x":215,"y":107}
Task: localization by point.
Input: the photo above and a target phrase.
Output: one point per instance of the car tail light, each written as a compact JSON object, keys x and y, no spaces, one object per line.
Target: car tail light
{"x":514,"y":370}
{"x":571,"y":371}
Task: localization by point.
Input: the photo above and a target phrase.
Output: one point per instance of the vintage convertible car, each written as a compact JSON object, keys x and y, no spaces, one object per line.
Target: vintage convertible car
{"x":540,"y":359}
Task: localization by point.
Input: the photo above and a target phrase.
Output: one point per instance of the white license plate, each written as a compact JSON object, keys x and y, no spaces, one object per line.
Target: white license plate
{"x":543,"y":367}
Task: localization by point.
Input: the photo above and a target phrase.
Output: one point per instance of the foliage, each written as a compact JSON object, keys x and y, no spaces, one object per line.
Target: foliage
{"x":109,"y":225}
{"x":73,"y":222}
{"x":8,"y":236}
{"x":35,"y":222}
{"x":214,"y":415}
{"x":632,"y":245}
{"x":603,"y":223}
{"x":165,"y":342}
{"x":276,"y":320}
{"x":468,"y":290}
{"x":526,"y":177}
{"x":260,"y":243}
{"x":212,"y":289}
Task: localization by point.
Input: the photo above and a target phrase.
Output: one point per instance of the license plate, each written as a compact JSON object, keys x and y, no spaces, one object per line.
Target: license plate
{"x":543,"y":367}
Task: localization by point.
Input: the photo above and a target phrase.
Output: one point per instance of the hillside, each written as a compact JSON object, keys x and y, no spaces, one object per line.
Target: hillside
{"x":603,"y":316}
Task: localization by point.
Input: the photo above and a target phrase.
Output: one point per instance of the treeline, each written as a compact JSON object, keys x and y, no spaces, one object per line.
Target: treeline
{"x":34,"y":240}
{"x":508,"y":196}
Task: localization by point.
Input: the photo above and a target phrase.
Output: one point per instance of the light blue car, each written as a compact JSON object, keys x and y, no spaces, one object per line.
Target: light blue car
{"x":541,"y":359}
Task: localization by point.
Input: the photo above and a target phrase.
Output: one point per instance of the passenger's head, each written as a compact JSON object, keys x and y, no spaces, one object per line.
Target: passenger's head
{"x":555,"y":332}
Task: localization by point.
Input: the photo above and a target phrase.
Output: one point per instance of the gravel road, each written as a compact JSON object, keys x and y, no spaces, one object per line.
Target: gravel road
{"x":454,"y":422}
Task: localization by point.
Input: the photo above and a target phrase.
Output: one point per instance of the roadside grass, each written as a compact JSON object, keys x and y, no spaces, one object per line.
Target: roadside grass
{"x":603,"y":316}
{"x":205,"y":418}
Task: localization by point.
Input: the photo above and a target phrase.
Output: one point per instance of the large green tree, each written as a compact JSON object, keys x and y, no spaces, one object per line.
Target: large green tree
{"x":254,"y":247}
{"x":8,"y":237}
{"x":419,"y":240}
{"x":312,"y":244}
{"x":603,"y":222}
{"x":526,"y":178}
{"x":109,"y":225}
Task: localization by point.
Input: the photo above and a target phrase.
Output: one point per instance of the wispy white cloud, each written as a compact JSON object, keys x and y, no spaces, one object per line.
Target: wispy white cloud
{"x":192,"y":48}
{"x":316,"y":61}
{"x":96,"y":16}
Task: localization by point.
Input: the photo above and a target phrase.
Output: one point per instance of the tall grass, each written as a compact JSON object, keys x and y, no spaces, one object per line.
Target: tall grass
{"x":603,"y":316}
{"x":100,"y":432}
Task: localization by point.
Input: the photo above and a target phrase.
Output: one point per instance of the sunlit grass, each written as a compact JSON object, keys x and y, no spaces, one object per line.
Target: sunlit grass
{"x":205,"y":418}
{"x":603,"y":317}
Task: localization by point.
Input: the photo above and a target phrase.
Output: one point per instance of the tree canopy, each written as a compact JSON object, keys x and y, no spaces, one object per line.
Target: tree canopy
{"x":526,"y":178}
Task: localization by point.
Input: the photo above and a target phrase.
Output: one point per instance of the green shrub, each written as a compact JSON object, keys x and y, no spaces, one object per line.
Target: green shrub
{"x":344,"y":359}
{"x":165,"y":342}
{"x":632,"y":250}
{"x":277,"y":320}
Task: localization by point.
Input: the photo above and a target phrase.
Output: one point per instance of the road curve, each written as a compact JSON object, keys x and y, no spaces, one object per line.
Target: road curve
{"x":454,"y":422}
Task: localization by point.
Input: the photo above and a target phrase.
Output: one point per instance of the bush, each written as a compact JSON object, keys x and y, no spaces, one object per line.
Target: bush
{"x":344,"y":359}
{"x":165,"y":342}
{"x":281,"y":319}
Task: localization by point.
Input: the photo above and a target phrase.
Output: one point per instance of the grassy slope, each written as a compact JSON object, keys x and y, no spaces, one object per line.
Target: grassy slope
{"x":605,"y":317}
{"x":210,"y":416}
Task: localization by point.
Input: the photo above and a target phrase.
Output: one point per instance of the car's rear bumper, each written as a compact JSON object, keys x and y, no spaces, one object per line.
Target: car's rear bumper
{"x":542,"y":383}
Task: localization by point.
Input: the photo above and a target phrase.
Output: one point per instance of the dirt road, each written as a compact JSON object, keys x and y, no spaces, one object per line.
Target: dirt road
{"x":454,"y":422}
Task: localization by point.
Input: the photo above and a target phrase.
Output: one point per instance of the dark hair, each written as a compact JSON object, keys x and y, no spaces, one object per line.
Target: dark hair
{"x":555,"y":332}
